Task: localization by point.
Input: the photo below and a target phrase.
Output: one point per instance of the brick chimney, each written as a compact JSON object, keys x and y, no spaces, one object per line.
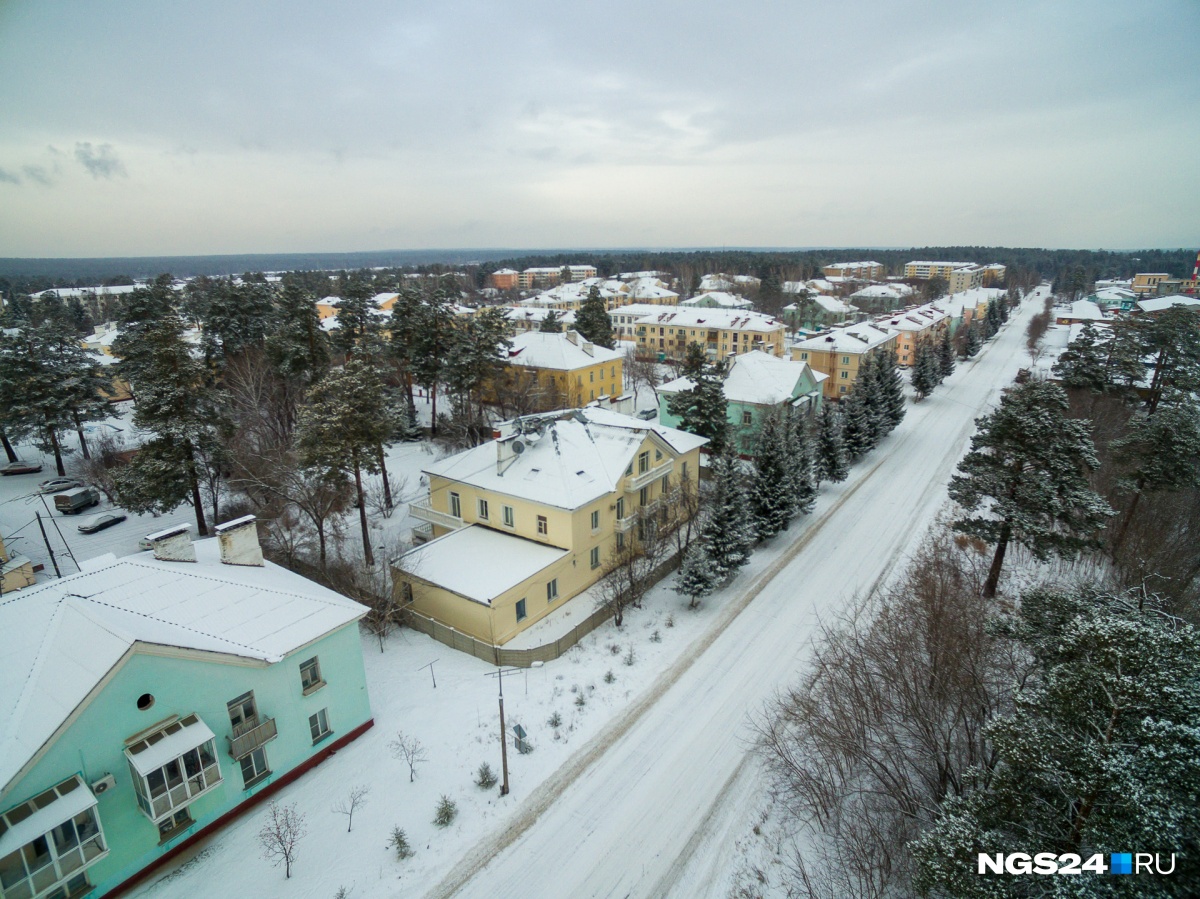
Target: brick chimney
{"x":239,"y":542}
{"x":173,"y":544}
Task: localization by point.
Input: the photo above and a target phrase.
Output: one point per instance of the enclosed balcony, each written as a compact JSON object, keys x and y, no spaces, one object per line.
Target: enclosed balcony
{"x":47,"y":843}
{"x":173,"y":766}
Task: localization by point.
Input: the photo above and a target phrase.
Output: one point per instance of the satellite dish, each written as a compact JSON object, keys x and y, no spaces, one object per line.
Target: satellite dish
{"x":518,"y":447}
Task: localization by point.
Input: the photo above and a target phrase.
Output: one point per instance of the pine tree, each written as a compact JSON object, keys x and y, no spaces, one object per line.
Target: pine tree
{"x":552,"y":323}
{"x":699,"y":575}
{"x":238,"y":318}
{"x":891,"y":389}
{"x":703,"y":410}
{"x":856,"y":427}
{"x":772,"y":500}
{"x":593,"y":322}
{"x":992,"y":319}
{"x":868,"y":384}
{"x":925,"y":370}
{"x":974,"y":342}
{"x":728,"y":536}
{"x":945,"y":357}
{"x":802,"y":466}
{"x":1027,"y":469}
{"x":342,"y":428}
{"x":831,"y":456}
{"x":1082,"y":364}
{"x":1100,"y":752}
{"x":432,"y":343}
{"x":357,"y":322}
{"x":296,"y":346}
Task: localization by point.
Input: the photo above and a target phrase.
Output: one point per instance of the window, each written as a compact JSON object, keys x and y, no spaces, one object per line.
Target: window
{"x":803,"y":356}
{"x":180,"y":820}
{"x":310,"y":676}
{"x":483,"y":509}
{"x":596,"y":520}
{"x":644,"y":496}
{"x":592,"y":377}
{"x":243,"y":713}
{"x":254,"y":767}
{"x":747,"y":418}
{"x":620,"y":540}
{"x":543,"y":525}
{"x":55,"y":855}
{"x":552,"y":590}
{"x":164,"y":787}
{"x":521,"y":610}
{"x":845,"y":360}
{"x":455,"y":505}
{"x":595,"y":557}
{"x":842,"y":389}
{"x":665,"y":484}
{"x":657,"y":454}
{"x":621,"y":507}
{"x":844,"y":375}
{"x":318,"y":726}
{"x":509,"y":517}
{"x":644,"y":462}
{"x":683,"y":470}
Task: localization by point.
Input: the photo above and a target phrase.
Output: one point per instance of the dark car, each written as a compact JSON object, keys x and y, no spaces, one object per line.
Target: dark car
{"x":20,"y":467}
{"x":101,"y":521}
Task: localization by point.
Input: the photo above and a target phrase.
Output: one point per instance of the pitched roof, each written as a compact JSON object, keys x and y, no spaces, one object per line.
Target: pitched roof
{"x":757,"y":378}
{"x":63,"y":637}
{"x":718,"y":298}
{"x":510,"y":560}
{"x":557,"y":351}
{"x":852,"y":339}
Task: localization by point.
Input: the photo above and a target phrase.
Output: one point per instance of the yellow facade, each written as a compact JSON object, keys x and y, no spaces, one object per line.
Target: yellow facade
{"x":842,"y":366}
{"x":563,"y":389}
{"x":1146,"y":283}
{"x":672,"y":340}
{"x":653,"y":477}
{"x":15,"y":571}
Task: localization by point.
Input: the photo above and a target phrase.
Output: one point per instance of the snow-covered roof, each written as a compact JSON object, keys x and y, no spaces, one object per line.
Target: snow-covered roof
{"x":833,"y":304}
{"x":715,"y":282}
{"x":580,"y":456}
{"x":952,"y":264}
{"x":538,"y":314}
{"x":718,"y":298}
{"x":698,"y":316}
{"x":855,"y":266}
{"x":502,"y":561}
{"x":649,"y":288}
{"x":885,"y":291}
{"x":1158,"y":304}
{"x":917,"y":319}
{"x":575,"y":291}
{"x":851,"y":339}
{"x":562,"y":352}
{"x":1113,"y":294}
{"x":757,"y":378}
{"x":63,"y":637}
{"x":1081,"y":310}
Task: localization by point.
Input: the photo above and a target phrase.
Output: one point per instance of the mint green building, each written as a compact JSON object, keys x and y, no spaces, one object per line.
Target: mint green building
{"x":150,"y":699}
{"x":756,"y":384}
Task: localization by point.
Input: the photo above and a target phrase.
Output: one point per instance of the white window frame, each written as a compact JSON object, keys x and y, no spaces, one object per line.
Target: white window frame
{"x":510,"y":516}
{"x":316,"y":722}
{"x":310,"y":675}
{"x":552,"y":590}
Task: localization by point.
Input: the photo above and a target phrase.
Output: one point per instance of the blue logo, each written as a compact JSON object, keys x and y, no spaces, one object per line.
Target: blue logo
{"x":1122,"y":863}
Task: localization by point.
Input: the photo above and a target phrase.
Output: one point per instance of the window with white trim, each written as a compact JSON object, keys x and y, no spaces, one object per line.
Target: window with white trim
{"x":510,"y":517}
{"x":552,"y":590}
{"x":483,"y":509}
{"x":596,"y":520}
{"x":310,"y":675}
{"x":51,"y":859}
{"x":254,"y":767}
{"x":318,"y":726}
{"x":595,"y":557}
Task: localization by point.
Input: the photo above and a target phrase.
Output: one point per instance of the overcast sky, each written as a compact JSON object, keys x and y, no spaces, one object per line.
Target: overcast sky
{"x":145,"y":128}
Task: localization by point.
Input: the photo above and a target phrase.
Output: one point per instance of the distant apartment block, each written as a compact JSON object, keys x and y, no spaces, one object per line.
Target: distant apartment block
{"x":925,"y":270}
{"x":860,"y":271}
{"x":1145,"y":284}
{"x":667,"y":331}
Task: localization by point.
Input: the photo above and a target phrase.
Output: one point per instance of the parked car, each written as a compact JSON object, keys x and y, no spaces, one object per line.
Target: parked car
{"x":101,"y":521}
{"x":20,"y":467}
{"x":58,"y":485}
{"x":75,"y":500}
{"x":647,"y":414}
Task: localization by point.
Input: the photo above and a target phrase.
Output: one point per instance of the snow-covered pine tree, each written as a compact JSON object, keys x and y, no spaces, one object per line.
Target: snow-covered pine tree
{"x":802,"y":466}
{"x":702,"y":410}
{"x":831,"y":457}
{"x":856,"y":426}
{"x":1027,"y":471}
{"x":699,"y":575}
{"x":945,"y":356}
{"x":974,"y":342}
{"x":891,"y":387}
{"x":1082,"y":364}
{"x":924,"y":370}
{"x":992,"y":319}
{"x":592,"y":320}
{"x":552,"y":323}
{"x":729,"y":534}
{"x":772,"y":499}
{"x":1099,"y":751}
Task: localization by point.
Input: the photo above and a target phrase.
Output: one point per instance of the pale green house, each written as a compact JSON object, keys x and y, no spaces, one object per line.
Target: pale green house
{"x":755,"y":384}
{"x":148,"y":700}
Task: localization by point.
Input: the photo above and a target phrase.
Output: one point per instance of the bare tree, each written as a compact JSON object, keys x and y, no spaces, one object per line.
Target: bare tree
{"x":631,"y":566}
{"x":355,"y":799}
{"x":410,"y":750}
{"x":98,"y":470}
{"x":642,"y":372}
{"x":280,"y":834}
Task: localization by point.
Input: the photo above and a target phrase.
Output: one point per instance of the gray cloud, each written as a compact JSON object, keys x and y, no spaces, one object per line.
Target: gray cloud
{"x":100,"y":161}
{"x":7,"y":177}
{"x":40,"y":174}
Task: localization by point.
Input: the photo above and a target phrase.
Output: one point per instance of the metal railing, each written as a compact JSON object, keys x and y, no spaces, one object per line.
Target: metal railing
{"x":638,"y":481}
{"x":259,"y":734}
{"x":420,"y":508}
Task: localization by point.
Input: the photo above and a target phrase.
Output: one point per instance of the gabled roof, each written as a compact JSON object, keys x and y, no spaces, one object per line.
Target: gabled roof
{"x":852,"y":339}
{"x":1158,"y":304}
{"x":718,"y":298}
{"x":757,"y":378}
{"x":557,"y":351}
{"x":578,"y":457}
{"x":60,"y":639}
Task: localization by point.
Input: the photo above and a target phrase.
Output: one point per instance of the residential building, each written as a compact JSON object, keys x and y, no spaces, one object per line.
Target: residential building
{"x":840,"y":353}
{"x":860,"y":271}
{"x":558,"y":371}
{"x":1078,"y":312}
{"x":914,"y":326}
{"x":551,"y":275}
{"x":570,"y":296}
{"x":1113,"y":298}
{"x":993,"y":274}
{"x":16,"y":570}
{"x":813,"y":312}
{"x":719,"y":332}
{"x":882,"y":297}
{"x":530,"y":318}
{"x":925,"y":270}
{"x":1146,"y":283}
{"x":966,"y":278}
{"x":717,"y":299}
{"x":148,"y":700}
{"x":518,"y":526}
{"x":651,"y":291}
{"x":504,"y":279}
{"x":755,"y":385}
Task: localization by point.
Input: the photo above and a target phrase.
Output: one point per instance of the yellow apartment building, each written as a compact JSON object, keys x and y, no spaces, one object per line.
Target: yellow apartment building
{"x":16,"y":571}
{"x":926,"y":270}
{"x":1146,"y":283}
{"x":924,"y":323}
{"x":667,"y":331}
{"x":560,"y":371}
{"x":841,"y":352}
{"x":860,"y":271}
{"x":967,"y":278}
{"x":518,"y":526}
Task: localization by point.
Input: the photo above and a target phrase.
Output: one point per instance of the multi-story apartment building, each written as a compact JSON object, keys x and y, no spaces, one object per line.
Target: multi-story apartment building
{"x":530,"y":318}
{"x":717,"y":299}
{"x":668,"y":330}
{"x":559,"y":371}
{"x":1145,"y":284}
{"x":841,"y":352}
{"x":993,"y":274}
{"x":967,"y":278}
{"x":859,"y":271}
{"x":504,"y":279}
{"x":549,"y":276}
{"x":926,"y":270}
{"x":148,"y":700}
{"x":650,"y":291}
{"x":572,"y":295}
{"x":520,"y":525}
{"x":922,"y":323}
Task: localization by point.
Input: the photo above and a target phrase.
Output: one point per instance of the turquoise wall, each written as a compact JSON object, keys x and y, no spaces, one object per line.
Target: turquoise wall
{"x":94,"y":745}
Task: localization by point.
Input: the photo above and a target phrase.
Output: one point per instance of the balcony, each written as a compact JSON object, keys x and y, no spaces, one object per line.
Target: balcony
{"x":638,"y":481}
{"x":625,"y":525}
{"x":251,"y":735}
{"x":421,"y":509}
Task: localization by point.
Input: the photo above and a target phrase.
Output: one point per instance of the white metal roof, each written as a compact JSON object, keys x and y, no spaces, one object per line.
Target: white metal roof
{"x":500,"y":561}
{"x":44,"y":820}
{"x":171,"y":747}
{"x":557,"y":351}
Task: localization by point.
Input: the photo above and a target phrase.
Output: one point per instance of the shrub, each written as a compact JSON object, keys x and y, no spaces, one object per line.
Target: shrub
{"x":629,"y":657}
{"x":447,"y":811}
{"x":555,"y":720}
{"x":485,"y":778}
{"x":609,"y":677}
{"x":399,"y":842}
{"x":580,"y":700}
{"x":656,"y":637}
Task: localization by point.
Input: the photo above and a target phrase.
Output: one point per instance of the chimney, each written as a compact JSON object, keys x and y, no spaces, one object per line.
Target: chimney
{"x":589,"y":348}
{"x":173,"y":544}
{"x":573,"y":336}
{"x":239,"y":542}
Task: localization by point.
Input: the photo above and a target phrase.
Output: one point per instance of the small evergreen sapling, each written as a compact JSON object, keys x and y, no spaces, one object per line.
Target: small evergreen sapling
{"x":447,"y":811}
{"x":485,"y":778}
{"x":399,"y":842}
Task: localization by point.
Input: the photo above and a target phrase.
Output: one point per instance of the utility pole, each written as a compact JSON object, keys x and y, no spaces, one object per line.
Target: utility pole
{"x":499,"y":675}
{"x":54,"y":562}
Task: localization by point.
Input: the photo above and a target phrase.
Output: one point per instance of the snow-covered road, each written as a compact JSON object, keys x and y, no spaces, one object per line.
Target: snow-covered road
{"x":650,"y":806}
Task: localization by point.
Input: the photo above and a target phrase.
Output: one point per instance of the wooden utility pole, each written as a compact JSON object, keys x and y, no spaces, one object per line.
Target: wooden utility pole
{"x":499,"y":675}
{"x":54,"y":561}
